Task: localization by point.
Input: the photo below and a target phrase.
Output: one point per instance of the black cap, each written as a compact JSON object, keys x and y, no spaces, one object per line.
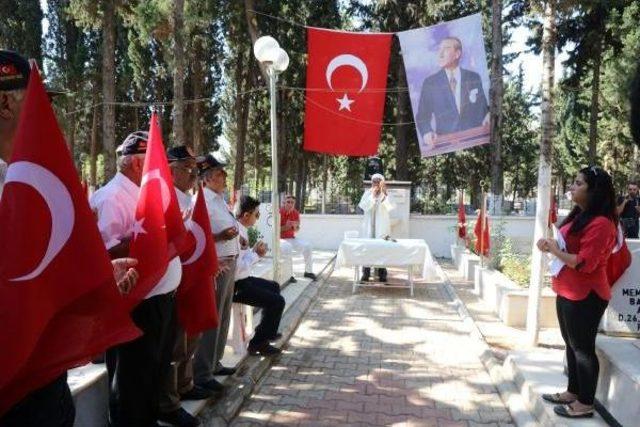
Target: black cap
{"x":209,"y":162}
{"x":134,"y":143}
{"x":14,"y":70}
{"x":181,"y":152}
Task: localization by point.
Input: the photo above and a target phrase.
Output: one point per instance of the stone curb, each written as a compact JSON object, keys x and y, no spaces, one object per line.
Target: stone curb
{"x":251,"y":369}
{"x":508,"y":391}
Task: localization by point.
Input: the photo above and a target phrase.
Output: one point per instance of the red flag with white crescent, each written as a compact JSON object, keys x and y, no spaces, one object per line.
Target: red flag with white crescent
{"x":159,"y":234}
{"x":59,"y":305}
{"x":346,"y":87}
{"x":196,"y":299}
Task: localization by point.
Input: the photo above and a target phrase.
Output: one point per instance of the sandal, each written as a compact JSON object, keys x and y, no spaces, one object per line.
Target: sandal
{"x":557,"y":399}
{"x":567,"y":411}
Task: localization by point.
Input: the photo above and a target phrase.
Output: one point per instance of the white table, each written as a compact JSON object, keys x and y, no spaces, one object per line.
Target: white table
{"x":409,"y":253}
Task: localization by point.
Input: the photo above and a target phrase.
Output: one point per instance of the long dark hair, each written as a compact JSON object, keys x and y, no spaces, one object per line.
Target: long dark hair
{"x":601,"y":200}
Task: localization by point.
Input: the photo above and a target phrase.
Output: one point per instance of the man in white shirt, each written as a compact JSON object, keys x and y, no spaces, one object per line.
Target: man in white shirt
{"x":255,"y":291}
{"x":137,"y":368}
{"x":376,"y":223}
{"x":225,"y":232}
{"x":453,"y":97}
{"x":178,"y":382}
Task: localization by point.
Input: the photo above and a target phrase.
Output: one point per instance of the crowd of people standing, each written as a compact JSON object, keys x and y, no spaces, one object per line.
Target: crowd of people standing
{"x":150,"y":375}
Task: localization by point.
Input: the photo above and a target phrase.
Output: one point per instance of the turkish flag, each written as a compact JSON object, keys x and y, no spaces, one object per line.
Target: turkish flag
{"x":462,"y":218}
{"x":481,"y":231}
{"x":159,"y":234}
{"x":196,"y":300}
{"x":346,"y":86}
{"x":59,"y":305}
{"x":553,"y":212}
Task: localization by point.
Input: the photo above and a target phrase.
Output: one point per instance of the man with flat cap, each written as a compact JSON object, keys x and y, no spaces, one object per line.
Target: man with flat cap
{"x":51,"y":404}
{"x":225,"y":232}
{"x":137,"y":368}
{"x":178,"y":383}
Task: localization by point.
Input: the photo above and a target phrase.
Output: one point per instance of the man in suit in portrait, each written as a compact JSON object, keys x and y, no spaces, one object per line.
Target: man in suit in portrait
{"x":453,"y":96}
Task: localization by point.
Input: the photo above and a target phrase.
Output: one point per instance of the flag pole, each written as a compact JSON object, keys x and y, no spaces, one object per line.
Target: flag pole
{"x":483,"y":225}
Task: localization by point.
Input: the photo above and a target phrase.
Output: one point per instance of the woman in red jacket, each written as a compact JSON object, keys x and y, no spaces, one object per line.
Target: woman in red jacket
{"x":581,"y":285}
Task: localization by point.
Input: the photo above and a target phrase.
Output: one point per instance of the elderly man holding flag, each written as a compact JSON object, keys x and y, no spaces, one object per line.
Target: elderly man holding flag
{"x":138,"y":214}
{"x":83,"y":317}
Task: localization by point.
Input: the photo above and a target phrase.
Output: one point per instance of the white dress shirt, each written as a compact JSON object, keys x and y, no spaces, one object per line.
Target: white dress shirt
{"x":115,"y":206}
{"x":221,"y":218}
{"x":458,"y":76}
{"x":185,"y":201}
{"x":247,"y":258}
{"x":3,"y":175}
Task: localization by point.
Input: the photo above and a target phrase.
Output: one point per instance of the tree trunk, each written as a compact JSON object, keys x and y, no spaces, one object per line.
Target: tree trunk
{"x":242,"y":118}
{"x":197,"y":87}
{"x":402,"y":144}
{"x":544,"y":169}
{"x":252,"y":25}
{"x":109,"y":87}
{"x":595,"y":92}
{"x":93,"y":148}
{"x":178,"y":72}
{"x":497,"y":91}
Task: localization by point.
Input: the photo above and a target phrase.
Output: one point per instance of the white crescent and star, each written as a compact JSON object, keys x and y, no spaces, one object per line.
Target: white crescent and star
{"x":198,"y":233}
{"x":59,"y":203}
{"x":347,"y":60}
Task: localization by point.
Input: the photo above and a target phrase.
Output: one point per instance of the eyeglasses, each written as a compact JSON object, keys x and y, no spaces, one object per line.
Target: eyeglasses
{"x":289,"y":201}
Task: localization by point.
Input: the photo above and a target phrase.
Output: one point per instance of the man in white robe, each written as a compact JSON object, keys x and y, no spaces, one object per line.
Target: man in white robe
{"x":376,"y":223}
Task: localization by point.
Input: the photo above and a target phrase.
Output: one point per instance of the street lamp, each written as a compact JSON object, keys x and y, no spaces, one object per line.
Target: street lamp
{"x":275,"y":60}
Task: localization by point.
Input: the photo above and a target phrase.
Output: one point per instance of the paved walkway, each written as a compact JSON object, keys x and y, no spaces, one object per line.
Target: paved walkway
{"x":378,"y":357}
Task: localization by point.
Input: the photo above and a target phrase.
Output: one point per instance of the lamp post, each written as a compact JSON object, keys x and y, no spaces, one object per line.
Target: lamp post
{"x":275,"y":60}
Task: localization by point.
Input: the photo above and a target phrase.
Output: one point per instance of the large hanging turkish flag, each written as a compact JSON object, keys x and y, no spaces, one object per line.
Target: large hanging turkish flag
{"x":346,"y":86}
{"x":159,"y":234}
{"x":59,"y":305}
{"x":196,"y":301}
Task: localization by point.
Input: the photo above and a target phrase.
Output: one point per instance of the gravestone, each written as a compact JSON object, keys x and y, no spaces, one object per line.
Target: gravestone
{"x":622,"y":316}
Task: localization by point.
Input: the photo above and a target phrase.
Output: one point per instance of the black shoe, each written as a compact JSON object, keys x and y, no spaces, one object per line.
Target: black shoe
{"x":383,"y":278}
{"x":180,"y":418}
{"x":276,"y":337}
{"x":265,"y":349}
{"x":212,"y":386}
{"x":225,"y":371}
{"x":292,"y":280}
{"x":197,"y":393}
{"x":364,"y":278}
{"x":310,"y":276}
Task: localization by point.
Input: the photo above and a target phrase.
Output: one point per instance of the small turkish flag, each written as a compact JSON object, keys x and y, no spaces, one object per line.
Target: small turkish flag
{"x":346,"y":85}
{"x":196,"y":301}
{"x":158,"y":233}
{"x":481,"y":231}
{"x":59,"y":305}
{"x":462,"y":218}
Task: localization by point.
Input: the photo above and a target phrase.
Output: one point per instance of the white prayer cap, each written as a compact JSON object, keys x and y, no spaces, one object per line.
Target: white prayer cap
{"x":377,"y":176}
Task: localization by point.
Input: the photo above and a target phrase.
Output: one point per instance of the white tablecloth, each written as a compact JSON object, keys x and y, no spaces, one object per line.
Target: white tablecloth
{"x":385,"y":253}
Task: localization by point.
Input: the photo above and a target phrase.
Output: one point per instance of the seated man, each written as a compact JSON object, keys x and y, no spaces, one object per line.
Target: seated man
{"x":289,"y":225}
{"x":255,"y":291}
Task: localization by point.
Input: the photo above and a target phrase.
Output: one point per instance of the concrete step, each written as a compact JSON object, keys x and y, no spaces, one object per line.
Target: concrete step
{"x":619,"y":382}
{"x":540,"y":371}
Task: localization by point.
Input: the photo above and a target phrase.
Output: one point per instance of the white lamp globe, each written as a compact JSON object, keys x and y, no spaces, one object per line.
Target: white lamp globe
{"x":282,"y":62}
{"x":265,"y":49}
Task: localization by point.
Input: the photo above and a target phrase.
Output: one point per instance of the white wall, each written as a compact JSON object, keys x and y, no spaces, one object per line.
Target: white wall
{"x":327,"y":231}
